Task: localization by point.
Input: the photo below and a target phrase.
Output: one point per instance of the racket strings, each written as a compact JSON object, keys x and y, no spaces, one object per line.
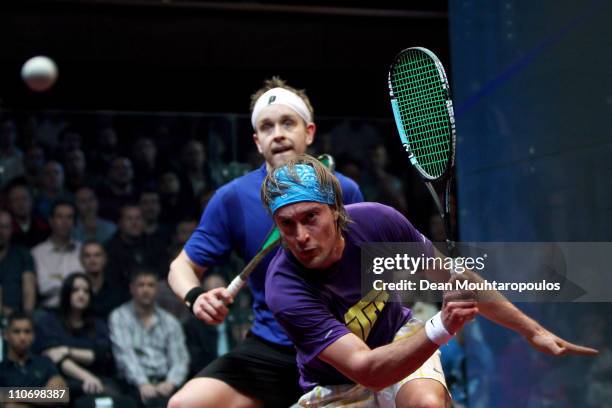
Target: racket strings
{"x":427,"y":130}
{"x":421,"y":96}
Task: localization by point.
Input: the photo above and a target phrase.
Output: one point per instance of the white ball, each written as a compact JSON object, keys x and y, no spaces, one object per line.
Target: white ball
{"x":39,"y":73}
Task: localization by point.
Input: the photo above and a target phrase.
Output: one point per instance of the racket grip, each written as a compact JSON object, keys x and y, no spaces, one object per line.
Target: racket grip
{"x":236,"y":285}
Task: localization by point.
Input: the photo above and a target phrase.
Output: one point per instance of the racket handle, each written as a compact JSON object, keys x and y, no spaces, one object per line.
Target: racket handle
{"x":236,"y":285}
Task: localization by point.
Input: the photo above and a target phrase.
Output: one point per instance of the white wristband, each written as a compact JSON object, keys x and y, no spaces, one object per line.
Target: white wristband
{"x":435,"y":330}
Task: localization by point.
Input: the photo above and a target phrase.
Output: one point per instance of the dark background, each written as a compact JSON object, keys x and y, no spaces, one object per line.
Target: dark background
{"x":209,"y":57}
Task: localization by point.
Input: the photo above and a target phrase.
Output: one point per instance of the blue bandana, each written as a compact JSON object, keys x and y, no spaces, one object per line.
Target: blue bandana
{"x":306,"y":188}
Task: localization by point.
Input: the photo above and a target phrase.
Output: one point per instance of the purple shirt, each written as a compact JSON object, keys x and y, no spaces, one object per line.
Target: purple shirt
{"x":317,"y":307}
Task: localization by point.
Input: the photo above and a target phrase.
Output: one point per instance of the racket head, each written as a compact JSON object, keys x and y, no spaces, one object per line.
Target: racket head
{"x":423,"y":111}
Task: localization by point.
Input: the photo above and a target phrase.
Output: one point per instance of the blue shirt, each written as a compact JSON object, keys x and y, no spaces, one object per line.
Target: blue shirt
{"x":236,"y":219}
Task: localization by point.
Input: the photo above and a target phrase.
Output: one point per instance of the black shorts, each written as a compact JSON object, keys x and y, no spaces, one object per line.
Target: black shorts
{"x":260,"y":369}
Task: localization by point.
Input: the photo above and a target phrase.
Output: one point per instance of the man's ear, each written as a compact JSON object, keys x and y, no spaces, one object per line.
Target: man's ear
{"x":256,"y":140}
{"x":311,"y":129}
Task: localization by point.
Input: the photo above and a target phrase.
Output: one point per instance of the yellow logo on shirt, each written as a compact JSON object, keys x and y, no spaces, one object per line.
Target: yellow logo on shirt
{"x":361,"y":317}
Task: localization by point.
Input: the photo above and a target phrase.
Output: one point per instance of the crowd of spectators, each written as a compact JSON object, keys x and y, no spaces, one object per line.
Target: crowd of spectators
{"x":90,"y":219}
{"x":88,"y":226}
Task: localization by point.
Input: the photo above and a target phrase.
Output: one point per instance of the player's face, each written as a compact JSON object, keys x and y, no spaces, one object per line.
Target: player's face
{"x":280,"y":134}
{"x":309,"y":230}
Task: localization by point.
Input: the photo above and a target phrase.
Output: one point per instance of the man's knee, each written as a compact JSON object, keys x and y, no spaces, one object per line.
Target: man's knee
{"x":192,"y":395}
{"x":178,"y":400}
{"x":210,"y":393}
{"x":422,"y":393}
{"x":425,"y":400}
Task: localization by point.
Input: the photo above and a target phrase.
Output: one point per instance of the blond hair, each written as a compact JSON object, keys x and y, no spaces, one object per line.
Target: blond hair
{"x":272,"y":187}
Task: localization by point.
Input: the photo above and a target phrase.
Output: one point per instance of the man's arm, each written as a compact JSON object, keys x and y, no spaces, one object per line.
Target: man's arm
{"x":386,"y":365}
{"x":495,"y":307}
{"x":184,"y":275}
{"x":381,"y":367}
{"x":91,"y":383}
{"x":501,"y":311}
{"x":81,"y":356}
{"x":28,"y":283}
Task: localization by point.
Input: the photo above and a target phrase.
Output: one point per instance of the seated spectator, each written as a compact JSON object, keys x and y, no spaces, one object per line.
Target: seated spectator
{"x":51,"y":188}
{"x":130,"y":248}
{"x":58,"y":256}
{"x":195,"y":173}
{"x":176,"y":202}
{"x":150,"y":205}
{"x":148,"y":344}
{"x":29,"y":228}
{"x":105,"y":297}
{"x":182,"y":232}
{"x":76,"y":170}
{"x":76,"y":341}
{"x":380,"y":185}
{"x":146,"y":169}
{"x":104,"y":151}
{"x":33,"y":161}
{"x":17,"y":277}
{"x":21,"y":368}
{"x":69,"y":139}
{"x":90,"y":227}
{"x":119,"y":188}
{"x":11,"y":158}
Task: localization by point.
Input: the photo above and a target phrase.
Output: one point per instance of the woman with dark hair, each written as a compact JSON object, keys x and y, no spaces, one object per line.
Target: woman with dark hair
{"x":76,"y":341}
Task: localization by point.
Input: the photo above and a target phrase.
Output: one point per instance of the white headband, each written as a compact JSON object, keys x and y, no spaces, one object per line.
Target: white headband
{"x":281,"y":96}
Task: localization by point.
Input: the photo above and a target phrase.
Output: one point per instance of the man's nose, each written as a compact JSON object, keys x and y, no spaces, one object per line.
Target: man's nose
{"x":301,"y":234}
{"x":279,"y":132}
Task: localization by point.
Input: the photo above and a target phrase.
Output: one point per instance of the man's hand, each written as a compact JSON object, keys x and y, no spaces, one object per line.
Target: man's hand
{"x":92,"y":385}
{"x":548,"y":343}
{"x":210,"y":306}
{"x":165,"y":388}
{"x":147,"y":391}
{"x":459,"y":307}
